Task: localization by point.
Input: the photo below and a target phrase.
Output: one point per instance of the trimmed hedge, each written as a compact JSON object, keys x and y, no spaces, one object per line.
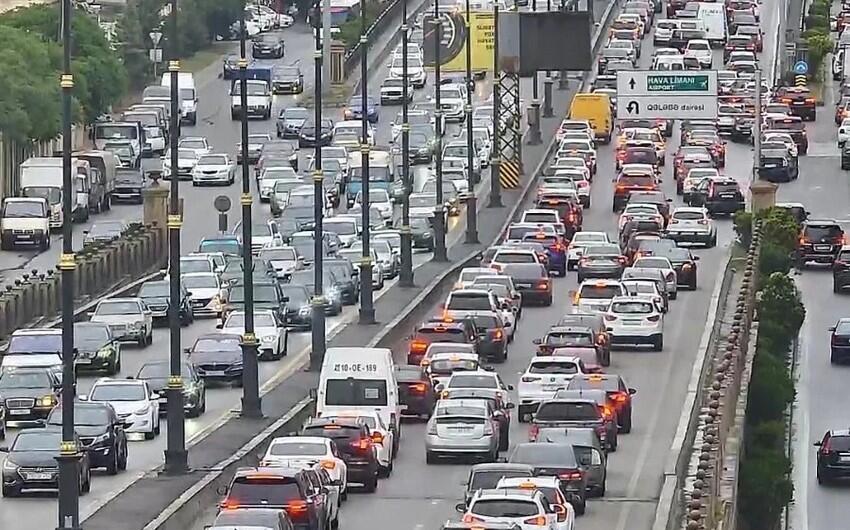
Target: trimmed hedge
{"x":764,"y":484}
{"x":817,"y":36}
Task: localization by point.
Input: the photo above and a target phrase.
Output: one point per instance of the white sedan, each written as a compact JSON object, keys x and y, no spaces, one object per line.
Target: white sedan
{"x":380,"y":200}
{"x":133,"y":401}
{"x":269,"y":331}
{"x":214,"y":169}
{"x":186,"y":161}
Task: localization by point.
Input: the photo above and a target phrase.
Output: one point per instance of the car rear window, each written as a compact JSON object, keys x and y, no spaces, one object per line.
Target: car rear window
{"x":726,"y":188}
{"x":553,"y":367}
{"x":635,"y":180}
{"x":443,"y":335}
{"x":631,"y":308}
{"x":821,"y":232}
{"x":596,"y":292}
{"x":788,"y":125}
{"x":489,"y":478}
{"x":688,"y":216}
{"x":560,"y":411}
{"x":572,"y":338}
{"x":334,"y":432}
{"x":839,"y":443}
{"x":640,"y":156}
{"x":510,"y":508}
{"x":264,"y":490}
{"x":460,"y":301}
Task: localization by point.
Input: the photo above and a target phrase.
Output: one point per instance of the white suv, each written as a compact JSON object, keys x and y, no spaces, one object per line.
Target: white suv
{"x":543,"y":378}
{"x":635,"y":320}
{"x":594,"y":296}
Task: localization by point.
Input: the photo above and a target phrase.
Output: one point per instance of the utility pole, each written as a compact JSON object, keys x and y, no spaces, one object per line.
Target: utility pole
{"x":757,"y":129}
{"x":406,"y":274}
{"x":534,"y":132}
{"x":176,"y":458}
{"x":69,"y":453}
{"x":439,"y":208}
{"x":317,"y":353}
{"x":471,"y":201}
{"x":367,"y":308}
{"x":495,"y":160}
{"x":251,"y":404}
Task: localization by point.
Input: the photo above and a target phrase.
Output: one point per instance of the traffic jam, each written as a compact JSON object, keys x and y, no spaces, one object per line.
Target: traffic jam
{"x":572,"y":408}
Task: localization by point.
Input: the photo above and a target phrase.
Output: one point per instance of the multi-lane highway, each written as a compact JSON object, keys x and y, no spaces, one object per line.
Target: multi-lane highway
{"x":223,"y":134}
{"x":821,"y":387}
{"x":421,"y":496}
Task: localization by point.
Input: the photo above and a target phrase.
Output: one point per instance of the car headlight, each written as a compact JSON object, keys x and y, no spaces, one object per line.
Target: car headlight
{"x":8,"y":465}
{"x":135,"y":325}
{"x":100,"y":439}
{"x":46,"y":401}
{"x":191,"y":388}
{"x":106,"y":351}
{"x":333,"y":293}
{"x":215,"y":304}
{"x":268,"y":338}
{"x":304,"y":310}
{"x":142,"y":411}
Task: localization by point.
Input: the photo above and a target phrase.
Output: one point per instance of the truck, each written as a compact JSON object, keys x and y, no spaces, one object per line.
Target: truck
{"x":43,"y":177}
{"x":187,"y":93}
{"x":25,"y":220}
{"x":104,"y":132}
{"x":155,"y":131}
{"x":104,"y":165}
{"x":713,"y":17}
{"x":259,"y":80}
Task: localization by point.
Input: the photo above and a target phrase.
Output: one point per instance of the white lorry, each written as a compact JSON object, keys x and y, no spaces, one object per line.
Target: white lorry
{"x":713,"y":17}
{"x":43,"y":177}
{"x":259,"y":94}
{"x":187,"y":93}
{"x":25,"y":220}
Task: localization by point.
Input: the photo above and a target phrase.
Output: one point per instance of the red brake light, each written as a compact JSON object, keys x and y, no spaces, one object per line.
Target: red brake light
{"x":418,"y":346}
{"x":540,"y":520}
{"x":543,"y":284}
{"x":529,"y":379}
{"x":571,"y":475}
{"x":362,"y":444}
{"x":654,"y":318}
{"x":498,"y":335}
{"x":825,"y":447}
{"x":296,"y":509}
{"x":619,"y":397}
{"x":377,"y":438}
{"x":607,"y":413}
{"x":469,"y":518}
{"x":417,"y":388}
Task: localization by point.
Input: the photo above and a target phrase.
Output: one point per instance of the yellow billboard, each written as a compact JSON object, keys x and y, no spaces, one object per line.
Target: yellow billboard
{"x":453,"y":41}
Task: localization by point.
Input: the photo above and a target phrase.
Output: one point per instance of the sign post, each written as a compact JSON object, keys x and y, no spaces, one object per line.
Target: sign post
{"x":667,"y":95}
{"x":155,"y":53}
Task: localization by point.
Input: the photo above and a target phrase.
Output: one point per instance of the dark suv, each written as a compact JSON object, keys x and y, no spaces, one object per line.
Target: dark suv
{"x":572,"y":412}
{"x":618,"y":393}
{"x":833,"y":456}
{"x":820,"y":241}
{"x":841,"y":270}
{"x":719,"y":196}
{"x":415,"y":391}
{"x":355,"y":445}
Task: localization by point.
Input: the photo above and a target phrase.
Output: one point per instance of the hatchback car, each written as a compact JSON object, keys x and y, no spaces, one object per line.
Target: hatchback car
{"x":635,"y":320}
{"x":462,"y":427}
{"x":833,"y":456}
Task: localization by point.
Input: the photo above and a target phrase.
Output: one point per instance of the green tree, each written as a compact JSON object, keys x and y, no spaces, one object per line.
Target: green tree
{"x":764,"y":488}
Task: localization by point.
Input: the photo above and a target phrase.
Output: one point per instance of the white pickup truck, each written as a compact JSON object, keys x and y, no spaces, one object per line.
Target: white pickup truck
{"x":259,"y":99}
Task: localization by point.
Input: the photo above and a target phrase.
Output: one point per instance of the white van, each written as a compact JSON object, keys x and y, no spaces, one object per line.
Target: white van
{"x":36,"y":347}
{"x":357,"y":377}
{"x":713,"y":17}
{"x":188,"y":94}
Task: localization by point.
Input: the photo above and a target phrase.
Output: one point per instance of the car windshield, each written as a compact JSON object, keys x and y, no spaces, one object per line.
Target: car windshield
{"x":296,"y":113}
{"x":201,"y":281}
{"x":155,"y":290}
{"x":37,"y":343}
{"x":217,"y":344}
{"x":118,"y":308}
{"x":473,"y":381}
{"x":84,"y":415}
{"x":160,"y":370}
{"x":262,"y":293}
{"x":278,"y":254}
{"x":37,"y":441}
{"x":92,"y":335}
{"x":31,"y":209}
{"x":25,"y":379}
{"x":122,"y":392}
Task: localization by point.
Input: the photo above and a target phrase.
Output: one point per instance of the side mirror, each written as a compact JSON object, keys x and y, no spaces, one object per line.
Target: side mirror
{"x":537,"y":342}
{"x":510,"y":406}
{"x":696,"y":258}
{"x":4,"y":449}
{"x":219,"y":326}
{"x":221,"y":490}
{"x":831,"y":328}
{"x":816,"y":444}
{"x":632,"y":391}
{"x":313,"y":393}
{"x":83,"y":397}
{"x":510,"y":387}
{"x":154,"y":395}
{"x":187,"y":350}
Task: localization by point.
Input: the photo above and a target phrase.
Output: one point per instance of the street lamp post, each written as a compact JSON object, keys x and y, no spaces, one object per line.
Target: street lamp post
{"x":406,"y":273}
{"x":251,"y":404}
{"x":471,"y":201}
{"x":69,"y":453}
{"x":439,"y":207}
{"x":175,"y":452}
{"x":367,"y":308}
{"x":317,"y":353}
{"x":495,"y":155}
{"x":534,"y":136}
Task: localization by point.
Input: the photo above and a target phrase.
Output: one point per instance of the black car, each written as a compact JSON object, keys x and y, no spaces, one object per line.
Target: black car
{"x":775,"y":167}
{"x":128,"y":187}
{"x":556,"y":459}
{"x":845,"y":156}
{"x":618,"y":392}
{"x":31,"y":462}
{"x":422,"y":233}
{"x":833,"y":456}
{"x":156,"y":374}
{"x":217,"y":357}
{"x":29,"y":394}
{"x":573,"y":412}
{"x":307,"y":136}
{"x":157,"y":295}
{"x":97,"y":349}
{"x":230,"y":67}
{"x":601,"y":261}
{"x":683,"y":260}
{"x":101,"y":432}
{"x":348,"y":279}
{"x":267,"y":46}
{"x":839,"y":342}
{"x":820,"y":241}
{"x":331,"y":288}
{"x":290,"y":120}
{"x":487,"y":476}
{"x":841,"y":270}
{"x":415,"y":391}
{"x":299,"y":312}
{"x":532,"y":281}
{"x":721,"y":195}
{"x":267,"y":295}
{"x":287,"y":80}
{"x":742,"y":131}
{"x":354,"y":442}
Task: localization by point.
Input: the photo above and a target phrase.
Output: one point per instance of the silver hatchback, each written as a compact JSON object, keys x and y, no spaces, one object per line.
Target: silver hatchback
{"x":462,"y":427}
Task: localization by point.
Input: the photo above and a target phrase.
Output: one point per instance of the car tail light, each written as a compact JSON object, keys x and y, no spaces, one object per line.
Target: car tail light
{"x":328,"y":464}
{"x":469,"y":518}
{"x":362,"y":444}
{"x":558,"y":247}
{"x":810,"y":100}
{"x":417,"y":388}
{"x":297,"y":509}
{"x":622,"y":260}
{"x":377,"y":438}
{"x":540,"y":520}
{"x":418,"y":346}
{"x":601,"y":339}
{"x":498,"y":335}
{"x":609,"y":318}
{"x":619,"y":397}
{"x":702,"y":222}
{"x":574,"y":474}
{"x":533,"y":432}
{"x":529,"y":379}
{"x":607,"y":412}
{"x":670,"y":276}
{"x":654,"y":318}
{"x":229,"y":505}
{"x":562,"y":513}
{"x":543,"y":284}
{"x":825,"y":449}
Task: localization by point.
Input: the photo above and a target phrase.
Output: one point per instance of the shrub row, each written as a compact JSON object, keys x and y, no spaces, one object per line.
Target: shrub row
{"x":764,"y":484}
{"x":817,"y":35}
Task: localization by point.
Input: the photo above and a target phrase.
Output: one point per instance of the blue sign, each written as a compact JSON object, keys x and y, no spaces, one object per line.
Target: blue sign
{"x":801,"y":68}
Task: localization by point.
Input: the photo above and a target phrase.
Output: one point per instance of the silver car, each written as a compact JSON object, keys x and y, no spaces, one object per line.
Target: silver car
{"x":462,"y":427}
{"x":129,"y":319}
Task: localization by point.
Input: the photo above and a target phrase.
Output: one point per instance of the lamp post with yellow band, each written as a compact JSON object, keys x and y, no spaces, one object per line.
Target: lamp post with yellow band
{"x":405,"y":278}
{"x":176,"y":457}
{"x":317,"y":351}
{"x":69,"y":454}
{"x":367,"y":307}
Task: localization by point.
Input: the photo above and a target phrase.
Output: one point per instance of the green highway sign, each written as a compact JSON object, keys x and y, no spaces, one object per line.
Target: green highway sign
{"x":677,"y":83}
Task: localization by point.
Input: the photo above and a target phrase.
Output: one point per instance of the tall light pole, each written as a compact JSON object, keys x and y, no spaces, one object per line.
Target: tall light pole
{"x":367,"y":307}
{"x":175,"y":452}
{"x":439,"y":207}
{"x":534,"y":136}
{"x":317,"y":353}
{"x":471,"y":201}
{"x":69,"y":453}
{"x":251,"y":404}
{"x":495,"y":155}
{"x":406,"y":274}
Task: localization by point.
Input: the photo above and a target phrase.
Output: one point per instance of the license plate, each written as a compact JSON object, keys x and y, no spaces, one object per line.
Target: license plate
{"x":214,"y":373}
{"x":631,"y":323}
{"x":727,"y":196}
{"x":19,"y":412}
{"x":24,"y":236}
{"x":83,"y":360}
{"x":823,"y":248}
{"x":527,"y":285}
{"x":552,"y":388}
{"x":844,"y":459}
{"x":39,"y":476}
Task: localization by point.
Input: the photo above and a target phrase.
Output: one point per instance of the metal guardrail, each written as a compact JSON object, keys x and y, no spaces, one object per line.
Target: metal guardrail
{"x":352,"y":56}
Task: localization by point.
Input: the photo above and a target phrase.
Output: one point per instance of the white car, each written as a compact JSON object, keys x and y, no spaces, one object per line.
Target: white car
{"x":186,"y":160}
{"x":551,"y":486}
{"x":379,"y":199}
{"x":453,"y":100}
{"x":310,"y":452}
{"x":196,"y":143}
{"x":269,"y":331}
{"x":580,"y":179}
{"x":285,"y":260}
{"x":581,"y":240}
{"x":134,"y":403}
{"x":441,"y":366}
{"x":701,"y":49}
{"x":127,"y":318}
{"x":843,"y":132}
{"x":647,"y":288}
{"x":345,"y":228}
{"x":468,"y":274}
{"x":506,"y":256}
{"x":694,"y":177}
{"x":216,"y":168}
{"x":785,"y":138}
{"x":272,"y":176}
{"x":479,"y":379}
{"x":415,"y":69}
{"x":527,"y":509}
{"x":640,"y":211}
{"x":635,"y":320}
{"x":542,"y":379}
{"x":663,"y":264}
{"x":692,"y":225}
{"x":205,"y":292}
{"x":383,"y":439}
{"x":594,"y":296}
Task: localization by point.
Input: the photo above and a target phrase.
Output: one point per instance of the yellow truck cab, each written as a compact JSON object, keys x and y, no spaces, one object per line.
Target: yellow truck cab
{"x":596,"y":109}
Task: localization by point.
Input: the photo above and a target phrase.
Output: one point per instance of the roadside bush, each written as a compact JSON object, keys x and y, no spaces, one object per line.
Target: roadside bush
{"x":764,"y":488}
{"x":743,"y":223}
{"x":771,"y":390}
{"x":349,"y":32}
{"x":774,"y":258}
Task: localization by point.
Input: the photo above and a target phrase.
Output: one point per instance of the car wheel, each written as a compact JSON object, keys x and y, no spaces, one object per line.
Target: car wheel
{"x":581,"y":507}
{"x":627,"y":424}
{"x":143,"y":340}
{"x":156,"y":426}
{"x":87,"y":484}
{"x":430,"y":458}
{"x":674,"y":295}
{"x":11,"y":491}
{"x":372,"y":484}
{"x":658,"y":343}
{"x":835,"y":287}
{"x":122,"y":462}
{"x":112,"y":466}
